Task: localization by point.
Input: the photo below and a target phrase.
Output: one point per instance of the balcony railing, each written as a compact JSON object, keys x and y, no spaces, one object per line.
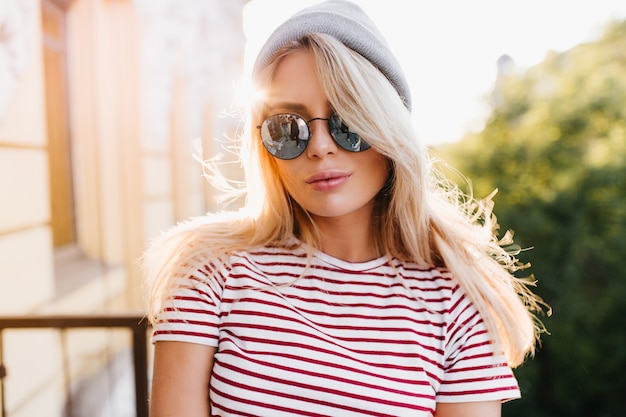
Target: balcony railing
{"x":137,"y":324}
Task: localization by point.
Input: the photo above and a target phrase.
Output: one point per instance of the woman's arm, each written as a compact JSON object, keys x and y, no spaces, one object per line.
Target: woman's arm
{"x":180,"y":382}
{"x":477,"y":409}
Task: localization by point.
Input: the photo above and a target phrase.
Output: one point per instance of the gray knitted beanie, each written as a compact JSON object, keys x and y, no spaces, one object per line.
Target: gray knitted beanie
{"x":349,"y":24}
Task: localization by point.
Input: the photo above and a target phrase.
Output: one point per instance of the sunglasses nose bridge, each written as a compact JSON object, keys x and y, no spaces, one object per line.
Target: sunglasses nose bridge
{"x":310,"y":122}
{"x":321,"y":140}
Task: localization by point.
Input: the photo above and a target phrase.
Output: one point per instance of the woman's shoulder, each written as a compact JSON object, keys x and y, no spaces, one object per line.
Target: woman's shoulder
{"x":423,"y":272}
{"x":230,"y":254}
{"x":429,"y":282}
{"x":289,"y":251}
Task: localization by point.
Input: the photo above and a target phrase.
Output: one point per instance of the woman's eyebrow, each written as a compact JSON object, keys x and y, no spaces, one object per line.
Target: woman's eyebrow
{"x":287,"y":105}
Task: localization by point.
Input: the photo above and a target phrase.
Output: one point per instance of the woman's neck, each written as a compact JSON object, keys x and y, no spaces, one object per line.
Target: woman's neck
{"x":351,"y":241}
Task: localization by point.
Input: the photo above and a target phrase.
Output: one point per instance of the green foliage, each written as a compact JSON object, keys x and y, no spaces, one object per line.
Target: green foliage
{"x":555,"y":147}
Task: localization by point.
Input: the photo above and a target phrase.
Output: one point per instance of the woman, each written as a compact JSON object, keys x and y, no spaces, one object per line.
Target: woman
{"x":353,"y":283}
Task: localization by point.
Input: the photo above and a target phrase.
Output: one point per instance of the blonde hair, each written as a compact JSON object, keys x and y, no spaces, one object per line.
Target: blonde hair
{"x":419,"y":217}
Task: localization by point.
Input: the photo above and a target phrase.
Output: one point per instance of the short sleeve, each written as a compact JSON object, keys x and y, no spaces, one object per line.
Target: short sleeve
{"x":473,"y":372}
{"x":192,"y":311}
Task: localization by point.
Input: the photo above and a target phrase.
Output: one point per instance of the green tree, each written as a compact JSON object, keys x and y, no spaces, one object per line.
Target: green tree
{"x":555,"y":148}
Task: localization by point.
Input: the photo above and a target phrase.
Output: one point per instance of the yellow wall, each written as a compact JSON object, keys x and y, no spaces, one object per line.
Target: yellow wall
{"x":26,"y":261}
{"x":104,"y":102}
{"x":25,"y":246}
{"x":35,"y":383}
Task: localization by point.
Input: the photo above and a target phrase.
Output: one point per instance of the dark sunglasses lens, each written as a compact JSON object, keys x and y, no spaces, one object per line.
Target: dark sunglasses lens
{"x":345,"y":138}
{"x":284,"y":135}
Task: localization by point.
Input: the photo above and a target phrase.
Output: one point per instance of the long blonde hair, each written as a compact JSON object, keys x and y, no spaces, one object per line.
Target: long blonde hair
{"x":419,"y":217}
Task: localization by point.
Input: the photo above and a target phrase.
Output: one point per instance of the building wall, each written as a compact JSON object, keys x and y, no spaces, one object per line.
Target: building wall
{"x":26,"y":250}
{"x":144,"y":79}
{"x":191,"y":60}
{"x":24,"y":212}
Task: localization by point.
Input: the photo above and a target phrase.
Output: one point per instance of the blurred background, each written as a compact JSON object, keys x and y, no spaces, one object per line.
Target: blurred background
{"x":102,"y":104}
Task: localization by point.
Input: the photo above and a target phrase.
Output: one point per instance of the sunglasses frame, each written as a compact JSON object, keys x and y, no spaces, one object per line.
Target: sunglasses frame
{"x":335,"y":129}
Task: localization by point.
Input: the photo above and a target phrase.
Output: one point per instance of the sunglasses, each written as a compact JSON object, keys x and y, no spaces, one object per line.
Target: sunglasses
{"x":286,"y":135}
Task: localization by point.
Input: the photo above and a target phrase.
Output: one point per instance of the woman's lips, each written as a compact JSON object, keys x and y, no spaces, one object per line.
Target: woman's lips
{"x":327,"y":180}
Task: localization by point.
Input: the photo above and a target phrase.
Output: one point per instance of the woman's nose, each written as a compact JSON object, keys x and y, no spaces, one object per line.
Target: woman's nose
{"x":321,"y":143}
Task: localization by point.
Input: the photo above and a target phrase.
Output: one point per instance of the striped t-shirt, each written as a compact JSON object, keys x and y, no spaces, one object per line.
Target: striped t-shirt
{"x":378,"y":338}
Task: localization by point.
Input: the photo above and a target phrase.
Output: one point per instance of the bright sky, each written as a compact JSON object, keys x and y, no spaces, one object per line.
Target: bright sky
{"x":449,"y":48}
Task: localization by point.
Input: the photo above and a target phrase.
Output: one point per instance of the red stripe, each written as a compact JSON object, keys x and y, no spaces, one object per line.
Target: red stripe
{"x":314,"y":301}
{"x":337,"y":378}
{"x":185,"y":333}
{"x":334,"y":365}
{"x":479,"y":391}
{"x":381,"y":328}
{"x":375,"y":353}
{"x":481,"y":379}
{"x":302,"y":385}
{"x":329,"y":314}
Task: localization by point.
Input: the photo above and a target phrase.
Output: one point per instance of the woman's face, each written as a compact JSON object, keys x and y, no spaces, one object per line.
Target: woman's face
{"x":329,"y":182}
